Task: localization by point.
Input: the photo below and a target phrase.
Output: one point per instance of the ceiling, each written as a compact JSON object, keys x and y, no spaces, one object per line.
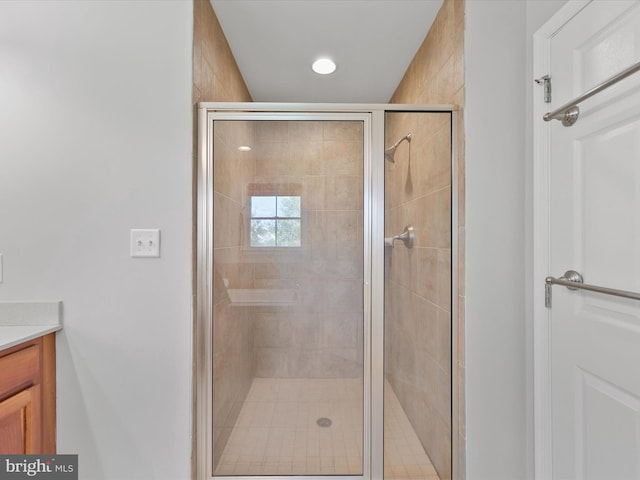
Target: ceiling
{"x":372,"y":42}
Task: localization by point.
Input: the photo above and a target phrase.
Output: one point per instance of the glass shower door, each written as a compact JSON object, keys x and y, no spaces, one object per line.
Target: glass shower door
{"x":288,"y":311}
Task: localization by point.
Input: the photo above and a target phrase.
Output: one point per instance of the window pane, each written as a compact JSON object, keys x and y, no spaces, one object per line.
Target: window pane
{"x":263,"y":206}
{"x":263,"y":233}
{"x":288,"y":207}
{"x":288,"y":233}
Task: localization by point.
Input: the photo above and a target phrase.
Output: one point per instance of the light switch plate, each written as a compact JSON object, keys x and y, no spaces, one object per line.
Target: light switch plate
{"x":1,"y":268}
{"x":145,"y":242}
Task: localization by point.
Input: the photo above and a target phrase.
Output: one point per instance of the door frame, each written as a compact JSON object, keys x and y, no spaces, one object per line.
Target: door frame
{"x":542,"y":405}
{"x":374,"y":269}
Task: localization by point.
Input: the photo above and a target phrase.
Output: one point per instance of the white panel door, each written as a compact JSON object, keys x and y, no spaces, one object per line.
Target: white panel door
{"x":595,"y":230}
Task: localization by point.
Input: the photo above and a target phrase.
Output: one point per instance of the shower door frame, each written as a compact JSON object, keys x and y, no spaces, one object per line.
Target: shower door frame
{"x":373,"y":117}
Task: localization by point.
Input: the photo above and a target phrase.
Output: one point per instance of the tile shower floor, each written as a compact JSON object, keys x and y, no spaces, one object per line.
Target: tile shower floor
{"x":277,"y":432}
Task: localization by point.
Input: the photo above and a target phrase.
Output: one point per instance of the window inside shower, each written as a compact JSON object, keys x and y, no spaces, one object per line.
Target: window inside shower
{"x":275,"y":221}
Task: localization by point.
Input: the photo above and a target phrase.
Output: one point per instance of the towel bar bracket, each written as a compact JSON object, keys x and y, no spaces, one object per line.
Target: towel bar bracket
{"x":569,"y":112}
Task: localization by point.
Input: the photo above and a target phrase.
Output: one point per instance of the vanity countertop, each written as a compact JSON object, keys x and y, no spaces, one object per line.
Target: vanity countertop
{"x":24,"y":321}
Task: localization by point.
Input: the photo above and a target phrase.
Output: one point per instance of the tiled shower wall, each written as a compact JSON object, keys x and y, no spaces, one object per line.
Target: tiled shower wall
{"x":435,"y":76}
{"x":216,"y":78}
{"x":418,"y":280}
{"x":233,"y":362}
{"x":320,"y":336}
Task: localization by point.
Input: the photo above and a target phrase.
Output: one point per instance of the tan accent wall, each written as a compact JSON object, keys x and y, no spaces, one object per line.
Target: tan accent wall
{"x":436,"y":73}
{"x":233,"y":359}
{"x":435,"y":76}
{"x":216,"y":78}
{"x":418,"y":280}
{"x":320,"y":335}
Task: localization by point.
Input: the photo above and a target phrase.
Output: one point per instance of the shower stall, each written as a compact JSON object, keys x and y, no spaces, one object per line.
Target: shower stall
{"x":325,"y":278}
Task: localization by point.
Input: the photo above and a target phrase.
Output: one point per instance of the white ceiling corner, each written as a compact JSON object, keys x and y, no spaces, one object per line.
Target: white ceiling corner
{"x":372,"y":42}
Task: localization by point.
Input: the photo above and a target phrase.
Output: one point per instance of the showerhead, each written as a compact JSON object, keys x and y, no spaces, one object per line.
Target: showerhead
{"x":391,"y":151}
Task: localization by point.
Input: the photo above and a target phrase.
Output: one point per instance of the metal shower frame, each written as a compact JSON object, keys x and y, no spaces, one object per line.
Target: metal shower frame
{"x":373,"y":116}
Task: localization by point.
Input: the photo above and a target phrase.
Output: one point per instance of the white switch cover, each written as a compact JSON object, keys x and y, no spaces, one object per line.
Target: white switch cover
{"x":0,"y":268}
{"x":145,"y":243}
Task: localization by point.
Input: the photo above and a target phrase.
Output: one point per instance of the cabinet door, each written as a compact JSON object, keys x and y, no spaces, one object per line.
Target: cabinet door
{"x":20,"y":426}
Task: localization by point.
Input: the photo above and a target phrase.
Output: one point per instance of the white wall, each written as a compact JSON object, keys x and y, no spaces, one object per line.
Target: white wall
{"x":495,"y":333}
{"x":95,"y":139}
{"x":498,"y":226}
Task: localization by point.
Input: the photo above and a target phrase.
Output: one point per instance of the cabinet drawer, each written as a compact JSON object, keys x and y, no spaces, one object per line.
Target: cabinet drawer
{"x":19,"y":370}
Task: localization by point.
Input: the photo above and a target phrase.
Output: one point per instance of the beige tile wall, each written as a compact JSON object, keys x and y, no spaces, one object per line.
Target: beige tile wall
{"x":418,"y":280}
{"x":321,"y":335}
{"x":216,"y":78}
{"x":435,"y":76}
{"x":436,"y":73}
{"x":233,"y":327}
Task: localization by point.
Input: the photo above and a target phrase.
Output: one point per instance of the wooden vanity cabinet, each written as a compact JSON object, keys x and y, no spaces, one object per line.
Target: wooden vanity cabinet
{"x":27,"y":397}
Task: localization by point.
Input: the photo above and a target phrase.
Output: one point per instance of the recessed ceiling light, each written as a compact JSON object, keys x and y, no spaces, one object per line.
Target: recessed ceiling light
{"x":323,"y":66}
{"x":244,"y":148}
